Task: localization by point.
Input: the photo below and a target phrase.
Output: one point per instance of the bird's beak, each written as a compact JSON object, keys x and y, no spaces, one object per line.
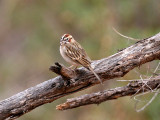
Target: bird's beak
{"x":62,"y":42}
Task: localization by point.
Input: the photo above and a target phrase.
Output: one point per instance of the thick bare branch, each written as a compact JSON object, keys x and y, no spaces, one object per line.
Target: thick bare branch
{"x":132,"y":88}
{"x":114,"y":66}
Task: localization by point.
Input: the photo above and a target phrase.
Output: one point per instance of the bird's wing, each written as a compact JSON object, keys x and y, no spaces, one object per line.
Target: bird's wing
{"x":78,"y":54}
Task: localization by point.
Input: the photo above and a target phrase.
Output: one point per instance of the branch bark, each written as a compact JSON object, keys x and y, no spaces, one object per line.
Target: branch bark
{"x":132,"y":88}
{"x":70,"y":81}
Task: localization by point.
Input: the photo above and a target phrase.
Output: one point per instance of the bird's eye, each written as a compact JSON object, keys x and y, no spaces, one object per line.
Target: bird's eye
{"x":66,"y":39}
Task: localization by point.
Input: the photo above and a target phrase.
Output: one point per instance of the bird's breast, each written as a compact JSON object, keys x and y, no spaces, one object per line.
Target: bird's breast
{"x":65,"y":57}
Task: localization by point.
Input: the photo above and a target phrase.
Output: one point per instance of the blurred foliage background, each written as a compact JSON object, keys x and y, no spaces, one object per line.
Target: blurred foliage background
{"x":30,"y":31}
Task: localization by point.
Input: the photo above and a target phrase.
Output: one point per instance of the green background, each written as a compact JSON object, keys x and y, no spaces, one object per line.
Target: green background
{"x":30,"y":31}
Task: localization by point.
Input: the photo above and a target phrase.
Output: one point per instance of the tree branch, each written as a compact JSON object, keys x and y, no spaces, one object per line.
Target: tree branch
{"x":70,"y":81}
{"x":132,"y":88}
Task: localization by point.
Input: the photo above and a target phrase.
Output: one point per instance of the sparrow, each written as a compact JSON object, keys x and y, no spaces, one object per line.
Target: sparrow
{"x":73,"y":53}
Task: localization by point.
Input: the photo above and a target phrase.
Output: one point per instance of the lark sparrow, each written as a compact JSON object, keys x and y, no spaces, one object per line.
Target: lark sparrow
{"x":73,"y":53}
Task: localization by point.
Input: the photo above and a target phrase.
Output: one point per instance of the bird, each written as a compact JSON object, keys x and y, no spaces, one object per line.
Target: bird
{"x":73,"y":53}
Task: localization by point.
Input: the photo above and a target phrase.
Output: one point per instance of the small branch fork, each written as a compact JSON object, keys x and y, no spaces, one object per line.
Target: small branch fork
{"x":99,"y":97}
{"x":72,"y":81}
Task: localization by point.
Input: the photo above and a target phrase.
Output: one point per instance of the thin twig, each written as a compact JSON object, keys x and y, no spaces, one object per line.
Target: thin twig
{"x":130,"y":38}
{"x":150,"y":101}
{"x":145,"y":82}
{"x":154,"y":96}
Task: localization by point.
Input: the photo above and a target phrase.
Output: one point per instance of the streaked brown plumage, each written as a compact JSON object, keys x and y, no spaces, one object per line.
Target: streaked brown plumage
{"x":74,"y":54}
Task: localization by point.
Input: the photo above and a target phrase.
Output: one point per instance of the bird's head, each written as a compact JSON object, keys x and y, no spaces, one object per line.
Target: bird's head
{"x":66,"y":38}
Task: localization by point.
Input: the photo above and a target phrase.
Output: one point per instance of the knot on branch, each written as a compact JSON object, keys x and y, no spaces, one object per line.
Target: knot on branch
{"x":68,"y":74}
{"x":63,"y":71}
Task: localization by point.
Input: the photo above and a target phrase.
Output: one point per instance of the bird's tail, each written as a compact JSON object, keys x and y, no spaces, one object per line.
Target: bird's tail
{"x":91,"y":69}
